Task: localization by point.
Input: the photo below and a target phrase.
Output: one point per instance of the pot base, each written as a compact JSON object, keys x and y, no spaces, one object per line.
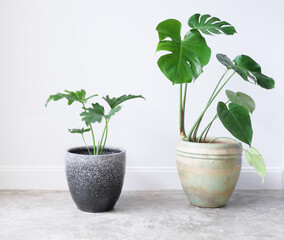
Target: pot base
{"x":95,"y":181}
{"x":209,"y":171}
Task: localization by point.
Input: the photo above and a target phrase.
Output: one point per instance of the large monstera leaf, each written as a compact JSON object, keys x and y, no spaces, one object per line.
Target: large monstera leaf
{"x":248,"y":69}
{"x":210,"y":25}
{"x":236,"y":120}
{"x":187,"y":57}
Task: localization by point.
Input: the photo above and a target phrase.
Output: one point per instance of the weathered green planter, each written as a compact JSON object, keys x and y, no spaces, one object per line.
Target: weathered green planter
{"x":209,"y":172}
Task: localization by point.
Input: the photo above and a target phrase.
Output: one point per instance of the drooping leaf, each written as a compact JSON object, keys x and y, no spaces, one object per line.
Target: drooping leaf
{"x":209,"y":25}
{"x":241,"y":99}
{"x":255,"y":159}
{"x":71,"y":97}
{"x":248,"y":69}
{"x":113,"y":102}
{"x":112,"y":112}
{"x":236,"y":120}
{"x":93,"y":114}
{"x":187,"y":57}
{"x":79,"y":130}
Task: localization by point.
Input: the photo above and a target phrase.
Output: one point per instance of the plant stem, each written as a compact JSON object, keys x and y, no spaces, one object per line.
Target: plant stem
{"x":218,"y":85}
{"x":183,"y":134}
{"x":86,"y":144}
{"x":209,"y":126}
{"x":196,"y":128}
{"x":98,"y":148}
{"x":207,"y":106}
{"x":106,"y":127}
{"x":181,"y":113}
{"x":93,"y":135}
{"x":240,"y":145}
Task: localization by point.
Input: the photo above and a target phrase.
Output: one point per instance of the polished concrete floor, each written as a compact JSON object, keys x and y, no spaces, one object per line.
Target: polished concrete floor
{"x":249,"y":215}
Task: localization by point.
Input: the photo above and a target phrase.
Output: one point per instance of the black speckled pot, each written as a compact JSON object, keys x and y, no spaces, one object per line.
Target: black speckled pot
{"x":95,"y":181}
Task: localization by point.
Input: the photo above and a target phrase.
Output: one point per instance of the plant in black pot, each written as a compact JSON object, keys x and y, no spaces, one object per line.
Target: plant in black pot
{"x":94,"y":173}
{"x":209,"y":167}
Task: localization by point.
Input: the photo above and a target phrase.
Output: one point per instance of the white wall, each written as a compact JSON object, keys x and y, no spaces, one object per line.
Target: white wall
{"x":108,"y":47}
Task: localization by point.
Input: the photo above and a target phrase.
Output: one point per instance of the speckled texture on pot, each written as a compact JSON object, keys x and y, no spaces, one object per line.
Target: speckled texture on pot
{"x":95,"y":181}
{"x":209,"y":172}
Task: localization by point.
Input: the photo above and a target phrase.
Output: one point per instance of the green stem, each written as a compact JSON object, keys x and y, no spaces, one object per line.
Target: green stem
{"x":196,"y":129}
{"x":93,"y":135}
{"x":218,"y":85}
{"x":183,"y":134}
{"x":180,"y":111}
{"x":86,"y":144}
{"x":240,"y":145}
{"x":209,"y":126}
{"x":207,"y":106}
{"x":98,"y":147}
{"x":204,"y":139}
{"x":105,"y":138}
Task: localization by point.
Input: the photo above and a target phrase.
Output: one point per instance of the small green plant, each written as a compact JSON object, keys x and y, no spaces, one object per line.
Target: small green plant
{"x":183,"y":63}
{"x":93,"y":114}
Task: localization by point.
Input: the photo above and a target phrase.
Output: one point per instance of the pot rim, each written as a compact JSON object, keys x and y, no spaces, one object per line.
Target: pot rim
{"x":121,"y":151}
{"x":222,"y":143}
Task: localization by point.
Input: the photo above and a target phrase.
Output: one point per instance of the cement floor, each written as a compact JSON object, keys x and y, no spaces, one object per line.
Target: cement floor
{"x":41,"y":215}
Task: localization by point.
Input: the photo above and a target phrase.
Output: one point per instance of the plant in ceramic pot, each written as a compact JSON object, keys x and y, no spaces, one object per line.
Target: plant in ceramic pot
{"x":209,"y":167}
{"x":94,"y":173}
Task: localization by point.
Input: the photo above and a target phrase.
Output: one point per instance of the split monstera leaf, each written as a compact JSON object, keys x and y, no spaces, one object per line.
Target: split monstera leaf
{"x":94,"y":114}
{"x":189,"y":55}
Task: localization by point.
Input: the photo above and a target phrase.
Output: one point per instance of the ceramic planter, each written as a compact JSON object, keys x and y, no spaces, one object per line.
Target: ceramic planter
{"x":209,"y":171}
{"x":95,"y":181}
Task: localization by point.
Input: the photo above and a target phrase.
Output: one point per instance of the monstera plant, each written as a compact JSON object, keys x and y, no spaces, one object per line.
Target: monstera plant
{"x":183,"y":63}
{"x":94,"y":114}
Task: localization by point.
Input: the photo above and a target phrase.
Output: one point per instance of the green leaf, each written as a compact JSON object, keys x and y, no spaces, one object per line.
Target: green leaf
{"x":248,"y":69}
{"x":112,"y":112}
{"x":71,"y":97}
{"x":94,"y":114}
{"x":209,"y":25}
{"x":187,"y":57}
{"x":79,"y":130}
{"x":255,"y":159}
{"x":113,"y":102}
{"x":236,"y":120}
{"x":242,"y":99}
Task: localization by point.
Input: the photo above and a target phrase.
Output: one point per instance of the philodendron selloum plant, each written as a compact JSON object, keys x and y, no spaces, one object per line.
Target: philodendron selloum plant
{"x":94,"y":114}
{"x":183,"y":63}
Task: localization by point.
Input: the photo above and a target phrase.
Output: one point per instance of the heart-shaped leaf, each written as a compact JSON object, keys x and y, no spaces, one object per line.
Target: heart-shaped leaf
{"x":236,"y":120}
{"x":113,"y":102}
{"x":209,"y":25}
{"x":187,"y":57}
{"x":241,"y":99}
{"x":248,"y":69}
{"x":255,"y":159}
{"x":94,"y":114}
{"x":78,"y":96}
{"x":79,"y":130}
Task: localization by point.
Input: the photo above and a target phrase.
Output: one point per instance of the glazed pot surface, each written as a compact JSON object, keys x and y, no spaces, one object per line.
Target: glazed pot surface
{"x":95,"y":181}
{"x":209,"y":172}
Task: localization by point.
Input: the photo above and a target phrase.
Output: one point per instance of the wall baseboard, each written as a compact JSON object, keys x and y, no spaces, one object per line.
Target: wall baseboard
{"x":137,"y":178}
